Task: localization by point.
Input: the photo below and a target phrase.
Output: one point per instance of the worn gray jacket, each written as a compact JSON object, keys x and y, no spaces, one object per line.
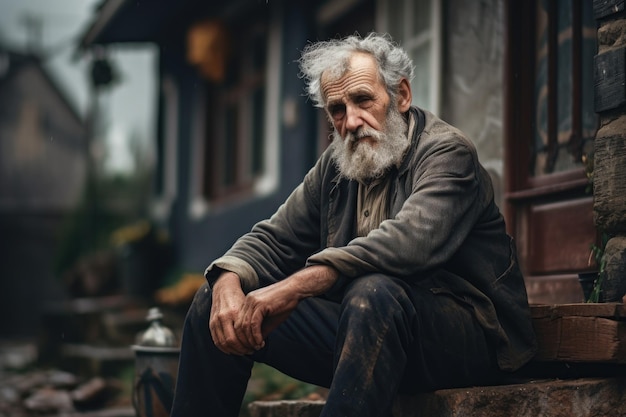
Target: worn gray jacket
{"x":444,"y":228}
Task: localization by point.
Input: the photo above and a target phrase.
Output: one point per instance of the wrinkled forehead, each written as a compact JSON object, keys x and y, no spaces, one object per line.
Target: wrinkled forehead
{"x":357,"y":65}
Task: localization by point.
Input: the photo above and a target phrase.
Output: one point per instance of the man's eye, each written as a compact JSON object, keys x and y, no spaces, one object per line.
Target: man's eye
{"x":364,"y":101}
{"x":337,"y":112}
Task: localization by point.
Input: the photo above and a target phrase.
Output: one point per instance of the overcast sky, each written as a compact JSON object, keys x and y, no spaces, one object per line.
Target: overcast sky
{"x":62,"y":22}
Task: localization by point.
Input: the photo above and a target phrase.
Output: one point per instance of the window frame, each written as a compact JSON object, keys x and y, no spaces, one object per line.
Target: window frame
{"x":411,"y":41}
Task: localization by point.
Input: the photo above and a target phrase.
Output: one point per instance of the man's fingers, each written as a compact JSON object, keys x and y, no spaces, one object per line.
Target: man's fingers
{"x":232,"y":345}
{"x":248,"y":328}
{"x":226,"y":339}
{"x":255,"y":335}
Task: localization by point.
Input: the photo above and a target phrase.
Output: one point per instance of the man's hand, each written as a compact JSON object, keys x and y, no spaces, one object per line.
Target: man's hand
{"x":239,"y":323}
{"x":265,"y":308}
{"x":228,"y":299}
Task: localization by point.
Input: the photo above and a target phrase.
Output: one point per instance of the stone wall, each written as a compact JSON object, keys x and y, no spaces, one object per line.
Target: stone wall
{"x":609,"y":179}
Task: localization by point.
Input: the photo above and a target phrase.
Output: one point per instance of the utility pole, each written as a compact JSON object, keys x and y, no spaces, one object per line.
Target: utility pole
{"x":34,"y":32}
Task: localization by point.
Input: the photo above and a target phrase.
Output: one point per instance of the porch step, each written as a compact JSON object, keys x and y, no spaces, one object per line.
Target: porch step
{"x":584,"y":397}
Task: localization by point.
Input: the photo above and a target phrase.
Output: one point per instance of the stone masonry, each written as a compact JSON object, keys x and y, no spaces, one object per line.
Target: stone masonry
{"x":609,"y":177}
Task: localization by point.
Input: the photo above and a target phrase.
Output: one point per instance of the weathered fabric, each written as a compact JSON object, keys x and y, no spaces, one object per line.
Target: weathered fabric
{"x":443,"y":228}
{"x":395,"y":341}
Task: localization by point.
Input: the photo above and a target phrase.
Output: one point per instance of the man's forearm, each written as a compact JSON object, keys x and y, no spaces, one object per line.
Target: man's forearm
{"x":227,"y":279}
{"x":312,"y":281}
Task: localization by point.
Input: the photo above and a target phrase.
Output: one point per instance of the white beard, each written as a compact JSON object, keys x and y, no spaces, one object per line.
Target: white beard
{"x":359,"y":160}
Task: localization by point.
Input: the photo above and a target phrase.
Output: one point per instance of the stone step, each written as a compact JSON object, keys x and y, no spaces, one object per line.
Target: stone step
{"x":94,"y":360}
{"x":583,"y":397}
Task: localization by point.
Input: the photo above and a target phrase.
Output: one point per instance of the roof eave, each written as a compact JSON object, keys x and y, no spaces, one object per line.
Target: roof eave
{"x":106,"y":13}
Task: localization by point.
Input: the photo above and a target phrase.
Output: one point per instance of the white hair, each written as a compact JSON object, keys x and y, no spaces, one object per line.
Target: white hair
{"x":332,"y":57}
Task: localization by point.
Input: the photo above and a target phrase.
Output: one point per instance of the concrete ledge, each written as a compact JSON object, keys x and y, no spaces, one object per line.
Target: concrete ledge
{"x":585,"y":397}
{"x":295,"y":408}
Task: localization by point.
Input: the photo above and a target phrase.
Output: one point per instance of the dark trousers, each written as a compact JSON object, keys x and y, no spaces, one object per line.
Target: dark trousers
{"x":384,"y":337}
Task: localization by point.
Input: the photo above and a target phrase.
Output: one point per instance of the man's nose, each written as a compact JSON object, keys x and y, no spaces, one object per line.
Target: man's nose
{"x":353,"y":118}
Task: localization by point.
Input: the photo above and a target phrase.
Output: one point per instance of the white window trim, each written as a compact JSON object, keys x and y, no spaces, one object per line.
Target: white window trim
{"x":162,"y":204}
{"x":268,"y":182}
{"x":199,"y":205}
{"x":434,"y":36}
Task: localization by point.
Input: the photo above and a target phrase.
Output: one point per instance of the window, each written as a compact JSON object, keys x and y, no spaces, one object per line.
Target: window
{"x":235,"y":127}
{"x":415,"y":24}
{"x":550,"y":114}
{"x":235,"y":143}
{"x":564,"y":117}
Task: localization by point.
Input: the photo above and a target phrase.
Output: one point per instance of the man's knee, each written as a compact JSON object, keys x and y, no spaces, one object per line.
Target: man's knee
{"x":200,"y":307}
{"x":373,"y":293}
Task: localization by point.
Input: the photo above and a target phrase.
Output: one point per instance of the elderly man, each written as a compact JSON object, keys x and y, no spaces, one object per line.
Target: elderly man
{"x":387,"y":270}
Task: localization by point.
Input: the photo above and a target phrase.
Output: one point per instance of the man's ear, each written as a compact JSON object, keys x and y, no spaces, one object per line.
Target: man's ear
{"x":404,"y":96}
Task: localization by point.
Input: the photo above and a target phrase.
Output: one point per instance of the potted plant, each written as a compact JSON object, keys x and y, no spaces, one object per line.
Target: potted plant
{"x":593,"y":281}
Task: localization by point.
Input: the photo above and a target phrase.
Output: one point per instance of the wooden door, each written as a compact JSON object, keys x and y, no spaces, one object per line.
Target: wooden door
{"x":550,"y":125}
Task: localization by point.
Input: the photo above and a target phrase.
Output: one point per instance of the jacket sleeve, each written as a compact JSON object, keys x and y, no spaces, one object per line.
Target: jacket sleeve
{"x":437,"y":216}
{"x":279,"y":246}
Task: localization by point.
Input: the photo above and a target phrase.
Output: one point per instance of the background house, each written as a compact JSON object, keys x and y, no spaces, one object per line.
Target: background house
{"x":236,"y":134}
{"x":42,"y":174}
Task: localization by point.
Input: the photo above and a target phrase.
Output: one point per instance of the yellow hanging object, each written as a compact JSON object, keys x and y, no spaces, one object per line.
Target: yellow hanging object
{"x":208,"y":48}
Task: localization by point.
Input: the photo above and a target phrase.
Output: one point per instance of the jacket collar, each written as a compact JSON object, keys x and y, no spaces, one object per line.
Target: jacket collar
{"x":417,"y":115}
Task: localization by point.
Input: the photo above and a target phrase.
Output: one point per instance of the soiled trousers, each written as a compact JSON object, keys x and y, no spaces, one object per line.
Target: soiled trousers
{"x":385,"y":337}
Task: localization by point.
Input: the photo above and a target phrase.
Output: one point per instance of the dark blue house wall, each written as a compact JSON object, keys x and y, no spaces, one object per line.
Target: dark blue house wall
{"x":198,"y":242}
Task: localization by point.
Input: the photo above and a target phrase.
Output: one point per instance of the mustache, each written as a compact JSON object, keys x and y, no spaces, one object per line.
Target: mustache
{"x":363,"y":133}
